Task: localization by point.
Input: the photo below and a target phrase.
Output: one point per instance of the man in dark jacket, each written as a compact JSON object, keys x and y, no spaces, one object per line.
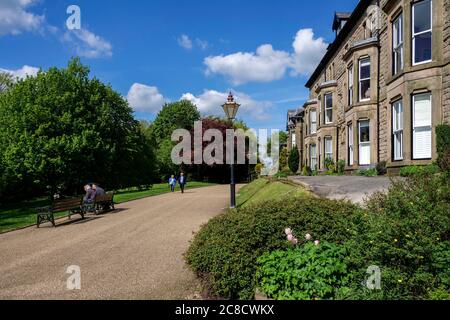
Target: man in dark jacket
{"x":182,"y":182}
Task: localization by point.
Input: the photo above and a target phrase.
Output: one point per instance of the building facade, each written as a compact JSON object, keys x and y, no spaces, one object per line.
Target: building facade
{"x":381,"y":88}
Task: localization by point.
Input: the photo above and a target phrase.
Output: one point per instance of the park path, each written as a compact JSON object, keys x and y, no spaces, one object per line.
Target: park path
{"x":133,"y":253}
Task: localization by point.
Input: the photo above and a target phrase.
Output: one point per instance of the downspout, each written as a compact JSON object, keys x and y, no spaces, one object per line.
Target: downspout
{"x":378,"y":81}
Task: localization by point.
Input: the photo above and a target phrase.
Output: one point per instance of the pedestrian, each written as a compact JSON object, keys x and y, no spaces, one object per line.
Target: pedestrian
{"x":172,"y":183}
{"x":182,"y":182}
{"x":90,"y":194}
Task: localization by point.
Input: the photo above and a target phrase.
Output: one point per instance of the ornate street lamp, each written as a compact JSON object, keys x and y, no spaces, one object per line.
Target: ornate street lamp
{"x":231,"y":108}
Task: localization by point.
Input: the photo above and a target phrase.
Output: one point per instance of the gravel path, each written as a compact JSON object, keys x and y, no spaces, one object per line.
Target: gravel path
{"x":133,"y":253}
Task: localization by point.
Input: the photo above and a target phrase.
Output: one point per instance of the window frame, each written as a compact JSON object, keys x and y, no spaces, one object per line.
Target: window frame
{"x":398,"y":116}
{"x":351,"y":85}
{"x":328,"y":154}
{"x":328,"y":108}
{"x":398,"y":46}
{"x":315,"y":168}
{"x":414,"y":35}
{"x":413,"y":112}
{"x":360,"y":80}
{"x":311,"y":112}
{"x":351,"y":145}
{"x":365,"y":143}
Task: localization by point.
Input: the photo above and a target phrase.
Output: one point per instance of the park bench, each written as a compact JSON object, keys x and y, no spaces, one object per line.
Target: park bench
{"x":104,"y":202}
{"x":74,"y":206}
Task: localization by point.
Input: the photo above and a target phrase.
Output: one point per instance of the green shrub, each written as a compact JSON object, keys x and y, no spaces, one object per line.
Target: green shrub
{"x":225,"y":250}
{"x":305,"y":273}
{"x":294,"y":160}
{"x":330,"y":165}
{"x":443,"y":146}
{"x":418,"y":170}
{"x":306,"y":171}
{"x":340,"y":166}
{"x":368,"y":172}
{"x":382,"y":168}
{"x":406,"y":232}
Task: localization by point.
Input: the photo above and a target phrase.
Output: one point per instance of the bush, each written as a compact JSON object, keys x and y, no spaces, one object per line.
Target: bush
{"x":305,"y":273}
{"x":368,"y":172}
{"x":418,"y":170}
{"x":341,"y":166}
{"x":306,"y":171}
{"x":382,"y":168}
{"x":406,"y":232}
{"x":443,"y":146}
{"x":225,"y":250}
{"x":294,"y":160}
{"x":330,"y":165}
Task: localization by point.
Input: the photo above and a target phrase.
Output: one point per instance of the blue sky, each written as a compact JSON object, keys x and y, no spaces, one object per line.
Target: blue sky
{"x":157,"y":51}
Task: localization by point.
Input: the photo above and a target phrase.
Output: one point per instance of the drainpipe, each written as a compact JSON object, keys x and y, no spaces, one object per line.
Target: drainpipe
{"x":378,"y":82}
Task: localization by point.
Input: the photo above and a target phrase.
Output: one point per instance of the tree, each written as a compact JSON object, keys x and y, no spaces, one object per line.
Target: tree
{"x":6,"y":81}
{"x":176,"y":115}
{"x":294,"y":160}
{"x":61,"y":129}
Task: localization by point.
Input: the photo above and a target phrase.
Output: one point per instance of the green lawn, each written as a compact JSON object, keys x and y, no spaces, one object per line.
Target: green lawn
{"x":23,"y":214}
{"x":263,"y":190}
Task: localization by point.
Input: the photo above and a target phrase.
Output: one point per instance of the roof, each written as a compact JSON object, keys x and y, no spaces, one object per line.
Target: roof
{"x":338,"y":17}
{"x":345,"y":32}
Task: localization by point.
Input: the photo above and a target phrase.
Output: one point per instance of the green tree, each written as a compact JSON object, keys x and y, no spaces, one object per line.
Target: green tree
{"x":176,"y":115}
{"x":6,"y":81}
{"x":294,"y":160}
{"x":61,"y":129}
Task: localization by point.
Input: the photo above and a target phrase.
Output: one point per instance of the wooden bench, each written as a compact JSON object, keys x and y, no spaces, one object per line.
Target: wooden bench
{"x":104,"y":202}
{"x":74,"y":206}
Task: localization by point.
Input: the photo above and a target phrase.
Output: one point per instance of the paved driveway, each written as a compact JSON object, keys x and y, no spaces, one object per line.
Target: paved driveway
{"x":134,"y":253}
{"x":353,"y":188}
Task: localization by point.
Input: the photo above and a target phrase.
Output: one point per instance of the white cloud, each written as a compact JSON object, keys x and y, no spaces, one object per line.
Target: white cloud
{"x":267,"y":64}
{"x":88,"y":44}
{"x":308,"y":52}
{"x":210,"y":103}
{"x":15,"y":19}
{"x":23,"y":72}
{"x":202,"y":44}
{"x":143,"y":98}
{"x":185,"y":42}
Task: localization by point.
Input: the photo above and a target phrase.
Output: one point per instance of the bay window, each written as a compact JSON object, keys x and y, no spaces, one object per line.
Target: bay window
{"x":313,"y":157}
{"x":328,"y":144}
{"x":422,"y":126}
{"x":422,"y":31}
{"x":397,"y":45}
{"x":397,"y":130}
{"x":364,"y":79}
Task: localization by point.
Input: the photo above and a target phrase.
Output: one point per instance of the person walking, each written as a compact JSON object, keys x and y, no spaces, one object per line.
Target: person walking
{"x":182,"y":182}
{"x":172,"y":183}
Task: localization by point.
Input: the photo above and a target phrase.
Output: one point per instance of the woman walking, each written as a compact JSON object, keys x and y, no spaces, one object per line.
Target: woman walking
{"x":172,"y":183}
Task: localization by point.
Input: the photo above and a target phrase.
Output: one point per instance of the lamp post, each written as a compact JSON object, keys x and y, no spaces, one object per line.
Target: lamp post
{"x":231,"y":108}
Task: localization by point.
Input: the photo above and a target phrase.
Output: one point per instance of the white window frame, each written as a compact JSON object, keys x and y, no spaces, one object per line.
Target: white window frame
{"x":414,"y":127}
{"x":328,"y":153}
{"x":397,"y":44}
{"x":294,"y":140}
{"x":397,"y":130}
{"x":328,"y":108}
{"x":351,"y":146}
{"x":414,"y":35}
{"x":313,"y":124}
{"x":363,"y":62}
{"x":350,"y":85}
{"x":366,"y":143}
{"x":313,"y":159}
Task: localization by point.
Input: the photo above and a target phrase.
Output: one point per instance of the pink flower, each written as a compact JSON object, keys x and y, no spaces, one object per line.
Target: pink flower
{"x":288,"y":231}
{"x":308,"y":237}
{"x":316,"y":243}
{"x":290,"y":237}
{"x":294,"y":241}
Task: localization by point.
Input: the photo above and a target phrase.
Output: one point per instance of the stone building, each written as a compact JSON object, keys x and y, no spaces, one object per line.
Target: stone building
{"x":381,"y":88}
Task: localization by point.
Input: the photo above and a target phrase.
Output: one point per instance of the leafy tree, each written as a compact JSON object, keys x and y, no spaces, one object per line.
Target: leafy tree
{"x":294,"y":160}
{"x":61,"y":129}
{"x":176,"y":115}
{"x":6,"y":81}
